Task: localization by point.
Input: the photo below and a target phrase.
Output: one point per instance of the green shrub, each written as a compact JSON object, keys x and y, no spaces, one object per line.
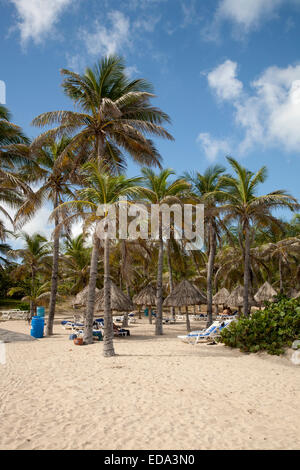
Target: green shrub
{"x":271,"y":330}
{"x":24,"y":306}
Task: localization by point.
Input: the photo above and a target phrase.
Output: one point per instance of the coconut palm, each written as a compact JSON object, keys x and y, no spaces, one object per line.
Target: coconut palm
{"x":54,"y":177}
{"x":12,"y":185}
{"x":205,"y":189}
{"x":242,"y":204}
{"x":35,"y":257}
{"x":101,"y":188}
{"x":115,"y":115}
{"x":76,"y":263}
{"x":278,"y":246}
{"x":159,"y":190}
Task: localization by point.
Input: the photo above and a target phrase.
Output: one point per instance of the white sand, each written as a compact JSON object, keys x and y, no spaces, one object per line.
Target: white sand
{"x":158,"y":393}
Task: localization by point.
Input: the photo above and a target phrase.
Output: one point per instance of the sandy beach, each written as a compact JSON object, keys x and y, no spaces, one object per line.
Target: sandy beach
{"x":157,"y":393}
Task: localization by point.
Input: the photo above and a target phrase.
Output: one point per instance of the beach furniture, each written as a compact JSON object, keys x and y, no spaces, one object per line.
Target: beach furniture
{"x":212,"y":334}
{"x":191,"y":337}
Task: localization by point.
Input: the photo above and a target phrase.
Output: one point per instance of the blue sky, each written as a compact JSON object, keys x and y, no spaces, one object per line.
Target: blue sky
{"x":227,"y":72}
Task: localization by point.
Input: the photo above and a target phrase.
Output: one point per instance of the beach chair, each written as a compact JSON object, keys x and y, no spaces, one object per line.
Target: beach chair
{"x":195,"y":334}
{"x":214,"y":334}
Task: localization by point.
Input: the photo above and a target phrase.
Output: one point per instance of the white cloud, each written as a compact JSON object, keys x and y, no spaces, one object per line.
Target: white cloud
{"x":223,"y":80}
{"x":245,"y":13}
{"x":108,"y":39}
{"x":37,"y":18}
{"x":213,"y":147}
{"x":269,"y":114}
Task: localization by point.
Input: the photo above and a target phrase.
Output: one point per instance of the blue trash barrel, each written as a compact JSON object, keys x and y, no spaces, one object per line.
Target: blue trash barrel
{"x":37,"y":327}
{"x":40,"y":311}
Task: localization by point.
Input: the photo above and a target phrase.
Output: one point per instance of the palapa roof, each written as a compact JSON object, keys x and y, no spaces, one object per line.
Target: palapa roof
{"x":184,"y":295}
{"x":295,"y":294}
{"x":221,"y":297}
{"x":119,"y":301}
{"x":82,"y":296}
{"x":236,"y":298}
{"x":265,"y":293}
{"x":146,"y":297}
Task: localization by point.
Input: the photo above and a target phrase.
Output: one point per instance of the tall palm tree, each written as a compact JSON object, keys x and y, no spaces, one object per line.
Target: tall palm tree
{"x":34,"y":256}
{"x":115,"y":118}
{"x":159,"y":190}
{"x":54,"y":177}
{"x":12,"y":185}
{"x":115,"y":115}
{"x":281,"y":247}
{"x":101,"y":188}
{"x":76,"y":262}
{"x":205,"y":189}
{"x":242,"y":204}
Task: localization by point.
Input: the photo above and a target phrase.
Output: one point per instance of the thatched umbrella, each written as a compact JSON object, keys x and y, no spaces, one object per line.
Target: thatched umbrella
{"x":295,"y":294}
{"x":184,"y":295}
{"x":221,"y":298}
{"x":82,"y":296}
{"x":236,"y":298}
{"x":265,"y":293}
{"x":119,"y":301}
{"x":147,"y":297}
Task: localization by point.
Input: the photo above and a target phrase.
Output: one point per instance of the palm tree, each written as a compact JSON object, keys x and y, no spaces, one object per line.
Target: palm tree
{"x":205,"y":189}
{"x":76,"y":262}
{"x":35,"y":257}
{"x":12,"y":185}
{"x":115,"y":115}
{"x":101,"y":188}
{"x":280,"y":246}
{"x":242,"y":204}
{"x":158,"y":190}
{"x":55,"y":177}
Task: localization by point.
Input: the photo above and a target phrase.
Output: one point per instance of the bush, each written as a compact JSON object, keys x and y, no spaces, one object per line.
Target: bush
{"x":271,"y":330}
{"x":24,"y":306}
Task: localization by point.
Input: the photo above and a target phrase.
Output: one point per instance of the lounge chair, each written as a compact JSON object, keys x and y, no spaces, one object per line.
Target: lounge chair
{"x":213,"y":334}
{"x":194,"y":334}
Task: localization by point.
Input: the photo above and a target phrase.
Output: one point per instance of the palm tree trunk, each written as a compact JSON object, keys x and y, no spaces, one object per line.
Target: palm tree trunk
{"x":150,"y":314}
{"x":125,"y":316}
{"x":32,"y":303}
{"x":246,"y":268}
{"x":210,"y":270}
{"x":89,"y":317}
{"x":188,"y":324}
{"x":170,"y":276}
{"x":108,"y":347}
{"x":280,"y":275}
{"x":158,"y":324}
{"x":54,"y":276}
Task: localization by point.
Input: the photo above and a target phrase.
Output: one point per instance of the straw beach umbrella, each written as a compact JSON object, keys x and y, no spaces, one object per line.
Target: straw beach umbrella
{"x":147,"y":297}
{"x":81,"y":298}
{"x":265,"y":293}
{"x":295,"y":294}
{"x":184,"y":295}
{"x":221,"y":298}
{"x":236,"y":298}
{"x":119,"y":301}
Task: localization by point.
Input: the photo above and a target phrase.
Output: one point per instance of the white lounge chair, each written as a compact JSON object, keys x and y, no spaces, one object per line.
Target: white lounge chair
{"x":195,"y":334}
{"x":215,"y":333}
